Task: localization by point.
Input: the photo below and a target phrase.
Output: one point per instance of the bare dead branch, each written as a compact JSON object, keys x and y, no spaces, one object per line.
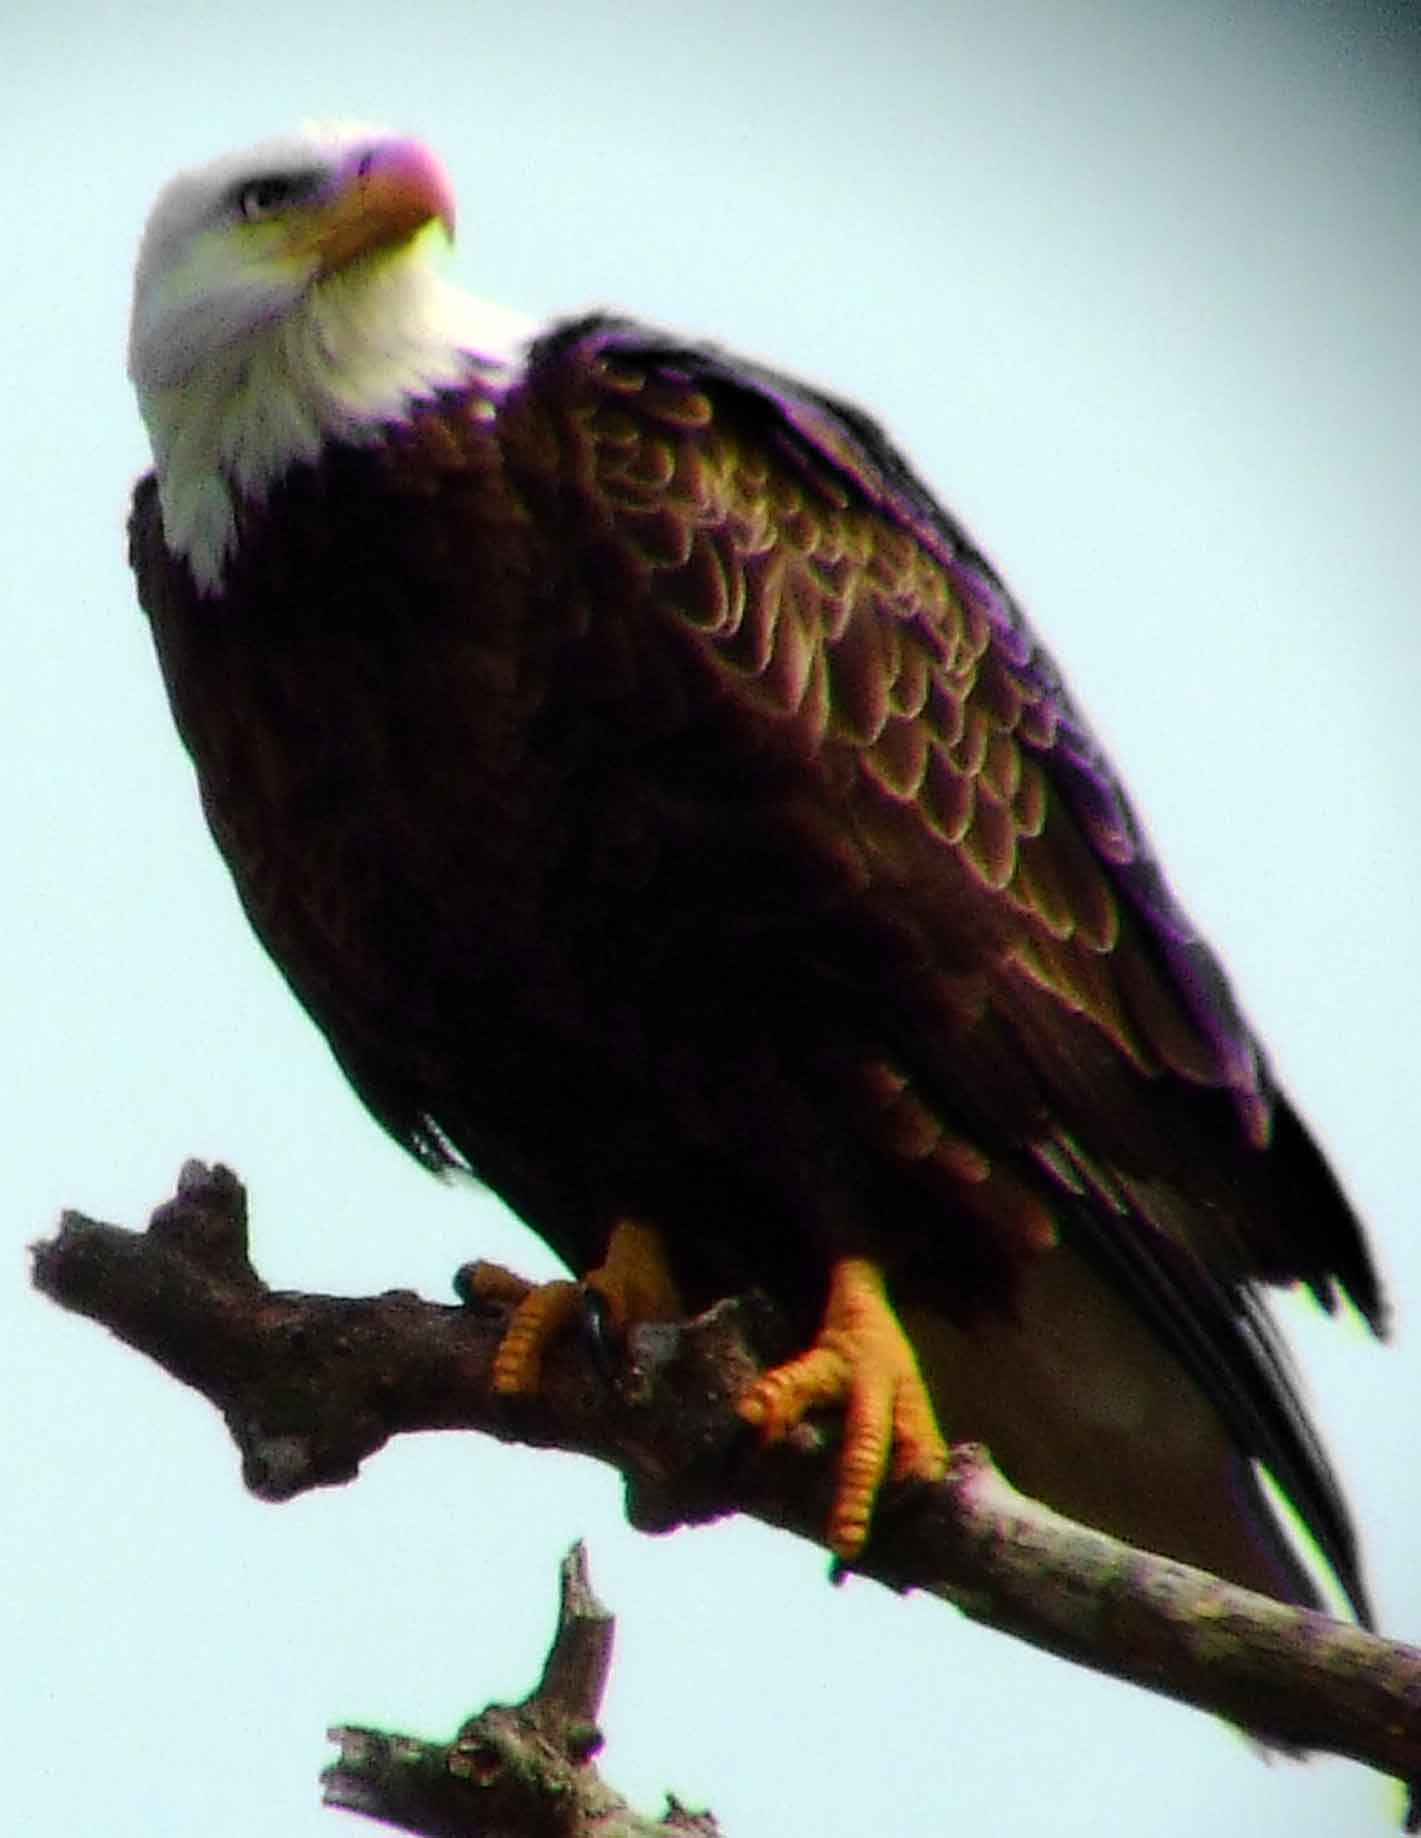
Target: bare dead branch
{"x":524,"y":1768}
{"x":310,"y":1386}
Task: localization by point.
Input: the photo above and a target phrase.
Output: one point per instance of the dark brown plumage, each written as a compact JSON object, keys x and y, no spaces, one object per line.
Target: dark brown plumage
{"x":663,"y":809}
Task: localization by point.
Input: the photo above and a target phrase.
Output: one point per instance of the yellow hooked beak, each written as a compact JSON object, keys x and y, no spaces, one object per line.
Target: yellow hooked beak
{"x":387,"y":194}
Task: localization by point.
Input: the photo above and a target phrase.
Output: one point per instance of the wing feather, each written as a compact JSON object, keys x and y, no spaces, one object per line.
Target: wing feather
{"x":951,"y":710}
{"x":1055,"y":993}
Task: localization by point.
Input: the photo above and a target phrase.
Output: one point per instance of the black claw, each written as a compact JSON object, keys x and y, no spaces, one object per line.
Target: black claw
{"x":600,"y":1332}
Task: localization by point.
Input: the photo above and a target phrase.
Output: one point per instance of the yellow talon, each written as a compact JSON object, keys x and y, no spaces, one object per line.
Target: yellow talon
{"x":634,"y":1279}
{"x":862,"y":1356}
{"x":533,"y":1327}
{"x":494,"y":1283}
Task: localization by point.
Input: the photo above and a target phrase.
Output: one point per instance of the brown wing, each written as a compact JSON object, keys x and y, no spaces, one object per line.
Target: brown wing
{"x":1053,"y":1046}
{"x":852,"y":625}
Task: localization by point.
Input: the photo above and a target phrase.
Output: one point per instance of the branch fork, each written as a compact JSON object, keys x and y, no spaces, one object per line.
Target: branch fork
{"x":311,"y":1386}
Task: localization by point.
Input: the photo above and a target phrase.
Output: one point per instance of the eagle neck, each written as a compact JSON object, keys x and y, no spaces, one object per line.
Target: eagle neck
{"x":349,"y":366}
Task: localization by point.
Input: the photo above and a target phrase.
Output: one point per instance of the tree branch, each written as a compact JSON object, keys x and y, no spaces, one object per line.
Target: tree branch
{"x":523,"y":1768}
{"x":310,"y":1386}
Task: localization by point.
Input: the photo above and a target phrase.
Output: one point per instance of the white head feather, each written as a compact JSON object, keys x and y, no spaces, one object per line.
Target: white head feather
{"x":249,"y":352}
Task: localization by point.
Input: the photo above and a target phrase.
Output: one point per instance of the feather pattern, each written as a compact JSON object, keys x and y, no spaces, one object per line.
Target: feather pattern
{"x":665,"y":810}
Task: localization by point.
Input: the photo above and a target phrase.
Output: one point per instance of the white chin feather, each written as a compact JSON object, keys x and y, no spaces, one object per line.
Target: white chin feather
{"x":253,"y":383}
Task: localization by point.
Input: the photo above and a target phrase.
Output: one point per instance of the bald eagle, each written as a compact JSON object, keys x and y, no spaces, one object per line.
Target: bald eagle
{"x":666,"y":813}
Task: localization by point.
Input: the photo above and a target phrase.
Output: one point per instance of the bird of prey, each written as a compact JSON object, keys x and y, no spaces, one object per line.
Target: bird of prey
{"x":666,"y":812}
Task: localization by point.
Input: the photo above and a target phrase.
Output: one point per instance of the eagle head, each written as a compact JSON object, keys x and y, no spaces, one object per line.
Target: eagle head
{"x":285,"y":297}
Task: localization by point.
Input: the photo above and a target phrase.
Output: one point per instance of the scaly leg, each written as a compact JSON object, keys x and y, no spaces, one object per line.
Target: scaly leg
{"x":861,"y":1356}
{"x":634,"y":1279}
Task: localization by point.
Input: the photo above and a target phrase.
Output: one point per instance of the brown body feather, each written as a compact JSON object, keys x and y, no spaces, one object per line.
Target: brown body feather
{"x":654,"y":816}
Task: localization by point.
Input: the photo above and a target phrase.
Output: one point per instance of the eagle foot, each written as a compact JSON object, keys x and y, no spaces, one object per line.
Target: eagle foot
{"x":632,"y":1284}
{"x":862,"y":1358}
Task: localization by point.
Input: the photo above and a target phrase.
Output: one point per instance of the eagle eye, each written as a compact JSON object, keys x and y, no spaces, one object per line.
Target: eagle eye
{"x":258,"y":198}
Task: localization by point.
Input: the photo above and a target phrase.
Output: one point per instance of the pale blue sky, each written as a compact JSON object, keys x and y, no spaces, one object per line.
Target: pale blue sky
{"x":1138,"y":287}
